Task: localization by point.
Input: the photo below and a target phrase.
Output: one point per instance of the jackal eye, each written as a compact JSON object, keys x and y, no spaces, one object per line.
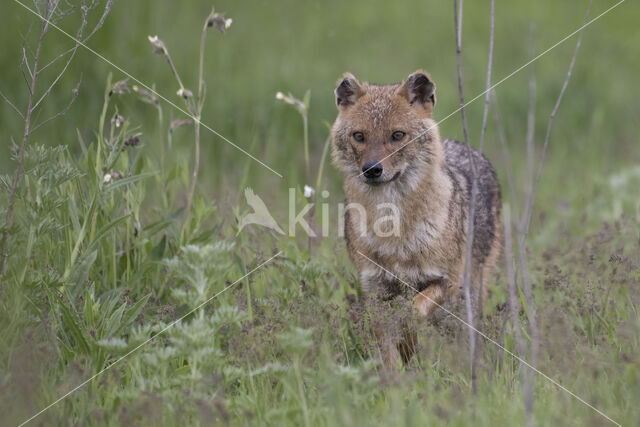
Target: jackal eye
{"x":397,"y":135}
{"x":358,"y":136}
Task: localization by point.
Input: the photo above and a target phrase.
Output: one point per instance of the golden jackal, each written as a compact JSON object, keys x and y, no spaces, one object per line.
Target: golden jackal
{"x":390,"y":151}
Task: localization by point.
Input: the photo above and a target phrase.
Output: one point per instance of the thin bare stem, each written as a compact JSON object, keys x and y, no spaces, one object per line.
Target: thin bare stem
{"x":18,"y":172}
{"x":174,"y":71}
{"x":525,"y":222}
{"x":325,"y":151}
{"x":487,"y":94}
{"x":11,"y":104}
{"x":105,"y":12}
{"x":458,"y":27}
{"x":25,"y":61}
{"x":485,"y":115}
{"x":203,"y":38}
{"x":196,"y":167}
{"x":502,"y":138}
{"x":514,"y":308}
{"x":162,"y":152}
{"x":305,"y":131}
{"x":531,"y":200}
{"x":466,"y":283}
{"x":62,"y":112}
{"x":57,"y":58}
{"x":66,"y":65}
{"x":25,"y":45}
{"x":531,"y":116}
{"x":196,"y":119}
{"x":530,"y":377}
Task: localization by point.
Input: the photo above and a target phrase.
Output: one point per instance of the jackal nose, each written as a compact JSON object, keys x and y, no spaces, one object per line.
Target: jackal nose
{"x":372,"y":170}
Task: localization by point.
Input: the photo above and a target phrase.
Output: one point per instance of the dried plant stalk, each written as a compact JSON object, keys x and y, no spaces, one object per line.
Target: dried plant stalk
{"x":525,"y":221}
{"x":483,"y":130}
{"x":466,"y":282}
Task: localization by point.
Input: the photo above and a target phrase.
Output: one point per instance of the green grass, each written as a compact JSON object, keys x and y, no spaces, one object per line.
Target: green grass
{"x":97,"y":268}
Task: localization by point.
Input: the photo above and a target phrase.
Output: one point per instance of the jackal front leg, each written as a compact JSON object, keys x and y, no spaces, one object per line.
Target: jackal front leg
{"x":430,"y":297}
{"x":385,"y":341}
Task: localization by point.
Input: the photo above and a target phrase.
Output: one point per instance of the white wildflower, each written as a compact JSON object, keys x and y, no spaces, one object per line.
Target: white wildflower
{"x":118,"y":120}
{"x":309,"y":191}
{"x":184,"y":93}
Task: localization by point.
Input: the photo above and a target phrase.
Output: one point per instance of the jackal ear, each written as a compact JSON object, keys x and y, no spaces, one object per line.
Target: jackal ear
{"x":419,"y":90}
{"x":348,"y":91}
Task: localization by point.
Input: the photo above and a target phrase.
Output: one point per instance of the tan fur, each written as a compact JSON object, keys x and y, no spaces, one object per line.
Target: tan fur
{"x":428,"y":180}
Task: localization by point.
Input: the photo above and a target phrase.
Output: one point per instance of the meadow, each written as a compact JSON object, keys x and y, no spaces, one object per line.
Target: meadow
{"x":131,"y":296}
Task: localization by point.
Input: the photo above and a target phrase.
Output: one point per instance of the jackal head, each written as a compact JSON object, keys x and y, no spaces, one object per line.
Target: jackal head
{"x":385,"y":132}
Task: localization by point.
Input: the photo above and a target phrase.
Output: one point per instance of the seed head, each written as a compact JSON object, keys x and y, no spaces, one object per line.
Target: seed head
{"x":145,"y":95}
{"x":119,"y":88}
{"x":291,"y":100}
{"x":158,"y":45}
{"x":218,"y":21}
{"x":132,"y":141}
{"x":118,"y":120}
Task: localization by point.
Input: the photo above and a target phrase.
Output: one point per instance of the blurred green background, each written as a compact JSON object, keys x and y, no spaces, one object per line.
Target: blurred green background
{"x":292,"y":46}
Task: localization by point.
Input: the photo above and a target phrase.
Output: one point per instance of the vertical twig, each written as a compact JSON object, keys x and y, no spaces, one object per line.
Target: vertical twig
{"x":466,"y":283}
{"x":323,"y":157}
{"x":197,"y":115}
{"x":525,"y":222}
{"x":84,"y":12}
{"x":25,"y":136}
{"x":195,"y":105}
{"x":457,"y":15}
{"x":529,"y":376}
{"x":531,"y":116}
{"x":511,"y":277}
{"x":305,"y":129}
{"x":514,"y":306}
{"x":531,"y":200}
{"x":485,"y":114}
{"x":487,"y":95}
{"x":502,"y":138}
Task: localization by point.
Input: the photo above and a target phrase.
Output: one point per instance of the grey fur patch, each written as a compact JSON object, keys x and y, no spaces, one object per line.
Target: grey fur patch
{"x":488,"y":196}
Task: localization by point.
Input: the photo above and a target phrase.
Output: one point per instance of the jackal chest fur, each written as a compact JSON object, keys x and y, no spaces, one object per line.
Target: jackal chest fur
{"x":406,"y":228}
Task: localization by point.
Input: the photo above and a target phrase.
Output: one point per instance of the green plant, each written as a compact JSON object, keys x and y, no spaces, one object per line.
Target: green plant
{"x":194,"y":104}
